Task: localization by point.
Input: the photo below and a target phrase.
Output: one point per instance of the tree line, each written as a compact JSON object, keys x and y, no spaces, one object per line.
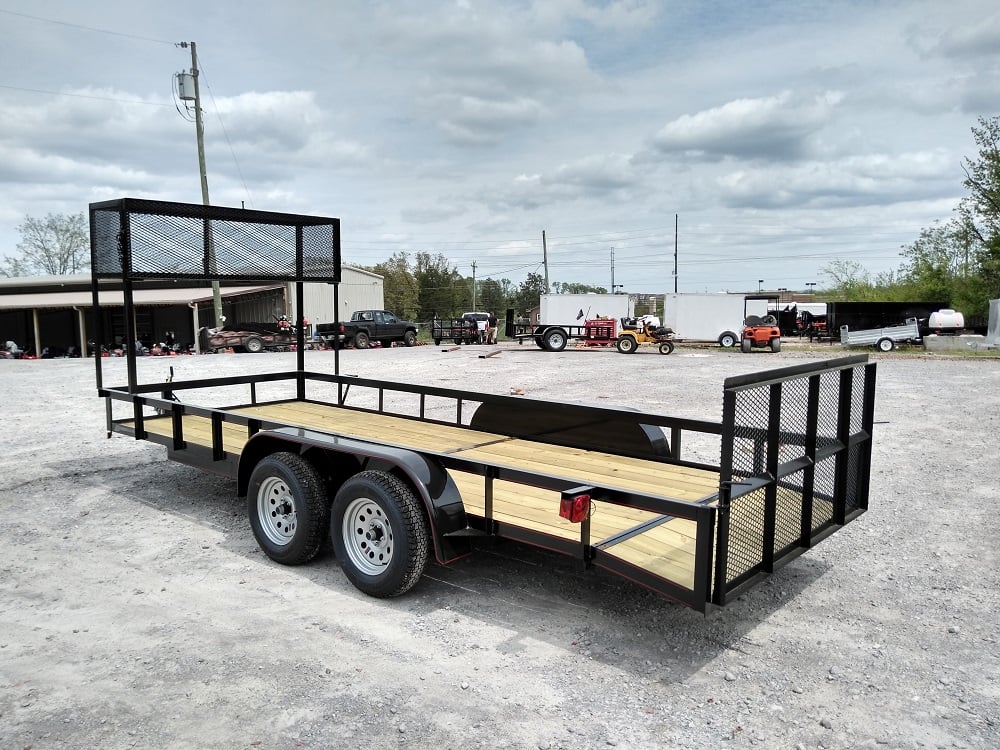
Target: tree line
{"x":957,"y":260}
{"x":428,"y":285}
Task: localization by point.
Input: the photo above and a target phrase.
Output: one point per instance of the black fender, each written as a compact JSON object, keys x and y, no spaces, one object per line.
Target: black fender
{"x":429,"y":479}
{"x":608,"y":429}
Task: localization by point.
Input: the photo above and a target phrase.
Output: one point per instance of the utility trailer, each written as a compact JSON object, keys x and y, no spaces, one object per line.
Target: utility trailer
{"x":553,"y":329}
{"x":396,"y":472}
{"x":456,"y":330}
{"x":885,"y":339}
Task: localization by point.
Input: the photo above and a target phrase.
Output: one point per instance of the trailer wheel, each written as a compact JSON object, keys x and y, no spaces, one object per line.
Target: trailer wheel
{"x":626,"y":344}
{"x":288,"y":508}
{"x":886,"y":345}
{"x":555,"y":339}
{"x":746,"y":345}
{"x":409,"y":338}
{"x":666,"y":347}
{"x":728,"y":339}
{"x":380,"y":533}
{"x":361,"y":340}
{"x":539,"y":342}
{"x":253,"y":345}
{"x":775,"y":344}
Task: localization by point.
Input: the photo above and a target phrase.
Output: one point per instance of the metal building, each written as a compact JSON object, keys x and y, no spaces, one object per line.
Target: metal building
{"x":51,"y":316}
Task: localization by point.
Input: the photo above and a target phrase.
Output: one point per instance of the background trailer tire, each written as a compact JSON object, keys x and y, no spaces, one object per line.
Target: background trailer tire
{"x":555,"y":339}
{"x":288,"y":508}
{"x":728,"y":339}
{"x":380,"y":533}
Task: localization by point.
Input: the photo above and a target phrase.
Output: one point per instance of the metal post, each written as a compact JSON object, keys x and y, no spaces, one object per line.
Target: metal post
{"x":200,"y":133}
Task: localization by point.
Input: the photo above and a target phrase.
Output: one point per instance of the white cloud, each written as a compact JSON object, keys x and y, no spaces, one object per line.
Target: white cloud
{"x":773,"y":127}
{"x":852,"y":181}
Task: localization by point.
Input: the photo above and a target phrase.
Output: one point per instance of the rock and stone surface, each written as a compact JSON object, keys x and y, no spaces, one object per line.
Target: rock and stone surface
{"x":136,"y":610}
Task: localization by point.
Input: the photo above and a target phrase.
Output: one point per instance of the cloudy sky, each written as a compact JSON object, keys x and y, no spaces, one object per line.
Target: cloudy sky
{"x":777,"y":135}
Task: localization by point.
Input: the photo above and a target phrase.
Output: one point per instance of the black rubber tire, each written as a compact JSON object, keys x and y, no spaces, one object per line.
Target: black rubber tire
{"x":667,"y":347}
{"x":728,"y":339}
{"x":885,"y":345}
{"x":555,"y":339}
{"x":775,"y":344}
{"x":253,"y":345}
{"x":291,"y":495}
{"x":539,"y":342}
{"x":392,"y":562}
{"x":745,"y":346}
{"x":409,"y":338}
{"x":361,"y":340}
{"x":626,"y":344}
{"x":437,"y":342}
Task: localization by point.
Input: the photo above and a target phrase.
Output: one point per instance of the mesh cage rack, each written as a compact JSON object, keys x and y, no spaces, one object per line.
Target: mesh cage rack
{"x":136,"y":239}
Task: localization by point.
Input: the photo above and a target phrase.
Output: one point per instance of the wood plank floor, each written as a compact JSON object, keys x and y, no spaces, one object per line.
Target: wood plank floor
{"x":666,"y":549}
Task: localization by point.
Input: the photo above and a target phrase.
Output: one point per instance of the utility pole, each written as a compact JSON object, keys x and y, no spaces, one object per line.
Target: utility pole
{"x":200,"y":133}
{"x":612,"y":270}
{"x":675,"y":253}
{"x":473,"y":286}
{"x":545,"y":261}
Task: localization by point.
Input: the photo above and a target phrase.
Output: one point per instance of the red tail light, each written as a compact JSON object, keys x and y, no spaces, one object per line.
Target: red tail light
{"x":575,"y":508}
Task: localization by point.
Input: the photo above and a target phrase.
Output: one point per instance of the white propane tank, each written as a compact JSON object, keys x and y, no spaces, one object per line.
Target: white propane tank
{"x":946,"y":320}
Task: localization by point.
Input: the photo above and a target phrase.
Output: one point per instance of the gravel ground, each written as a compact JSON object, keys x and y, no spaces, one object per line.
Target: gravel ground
{"x":136,"y":610}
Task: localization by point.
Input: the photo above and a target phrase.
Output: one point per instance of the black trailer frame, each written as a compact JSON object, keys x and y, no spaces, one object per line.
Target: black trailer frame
{"x":795,"y":442}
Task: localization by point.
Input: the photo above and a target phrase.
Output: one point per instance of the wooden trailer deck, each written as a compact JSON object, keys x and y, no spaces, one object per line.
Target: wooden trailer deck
{"x":665,"y":549}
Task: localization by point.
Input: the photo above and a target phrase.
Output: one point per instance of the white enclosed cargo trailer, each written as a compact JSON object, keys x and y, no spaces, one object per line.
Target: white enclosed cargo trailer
{"x":573,"y":309}
{"x":711,"y":317}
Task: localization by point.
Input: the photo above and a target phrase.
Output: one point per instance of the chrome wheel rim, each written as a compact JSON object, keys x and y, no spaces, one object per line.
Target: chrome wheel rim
{"x":276,"y":511}
{"x":368,"y":537}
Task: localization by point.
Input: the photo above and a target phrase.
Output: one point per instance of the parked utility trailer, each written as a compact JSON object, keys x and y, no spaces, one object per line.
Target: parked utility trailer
{"x":716,"y":318}
{"x":563,"y":317}
{"x":885,"y":339}
{"x":368,"y":464}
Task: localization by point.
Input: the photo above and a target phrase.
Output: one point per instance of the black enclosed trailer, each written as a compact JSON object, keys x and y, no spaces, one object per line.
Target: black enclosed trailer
{"x":376,"y":467}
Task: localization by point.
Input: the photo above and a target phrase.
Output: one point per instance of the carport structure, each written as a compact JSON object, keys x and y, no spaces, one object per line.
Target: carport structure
{"x":54,"y":314}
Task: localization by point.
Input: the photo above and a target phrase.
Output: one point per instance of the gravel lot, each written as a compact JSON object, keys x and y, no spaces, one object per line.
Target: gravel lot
{"x":136,"y":610}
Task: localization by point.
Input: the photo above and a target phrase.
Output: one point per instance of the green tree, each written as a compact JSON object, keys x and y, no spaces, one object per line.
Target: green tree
{"x":849,"y":281}
{"x":935,"y":263}
{"x":441,"y":289}
{"x":528,"y":294}
{"x":57,"y":245}
{"x":980,"y":210}
{"x":561,"y":287}
{"x":492,"y":297}
{"x":402,"y":292}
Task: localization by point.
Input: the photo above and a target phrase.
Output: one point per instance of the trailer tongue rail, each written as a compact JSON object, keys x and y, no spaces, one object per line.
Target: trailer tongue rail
{"x":391,"y":471}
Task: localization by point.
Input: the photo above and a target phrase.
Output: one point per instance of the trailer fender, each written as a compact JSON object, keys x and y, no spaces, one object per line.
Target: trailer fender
{"x":429,"y":479}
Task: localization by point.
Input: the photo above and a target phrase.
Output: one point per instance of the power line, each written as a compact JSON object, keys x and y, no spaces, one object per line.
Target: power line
{"x":86,"y":28}
{"x":85,"y":96}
